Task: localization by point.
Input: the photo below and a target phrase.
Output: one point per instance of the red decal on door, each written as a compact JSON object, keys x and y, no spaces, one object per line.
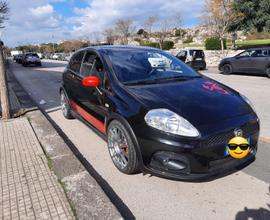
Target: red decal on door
{"x":92,"y":120}
{"x":212,"y":86}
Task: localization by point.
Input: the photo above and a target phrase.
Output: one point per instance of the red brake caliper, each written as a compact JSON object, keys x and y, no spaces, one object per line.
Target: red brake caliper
{"x":126,"y":148}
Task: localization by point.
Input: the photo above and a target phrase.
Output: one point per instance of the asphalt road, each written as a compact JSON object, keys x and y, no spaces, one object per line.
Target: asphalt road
{"x":238,"y":194}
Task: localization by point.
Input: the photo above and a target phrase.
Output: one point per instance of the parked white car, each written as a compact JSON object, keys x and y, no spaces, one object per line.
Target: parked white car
{"x":56,"y":56}
{"x":156,"y":61}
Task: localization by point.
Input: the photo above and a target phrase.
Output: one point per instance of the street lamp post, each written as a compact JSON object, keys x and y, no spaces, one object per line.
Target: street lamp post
{"x":52,"y":42}
{"x":38,"y":45}
{"x":89,"y":44}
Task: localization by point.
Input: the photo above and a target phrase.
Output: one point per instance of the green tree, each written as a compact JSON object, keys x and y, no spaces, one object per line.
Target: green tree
{"x":217,"y":17}
{"x":254,"y":15}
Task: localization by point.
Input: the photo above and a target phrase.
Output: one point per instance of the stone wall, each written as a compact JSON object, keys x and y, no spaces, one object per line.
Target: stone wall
{"x":213,"y":57}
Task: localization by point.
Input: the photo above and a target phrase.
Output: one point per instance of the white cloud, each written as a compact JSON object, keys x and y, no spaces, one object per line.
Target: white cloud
{"x":41,"y":11}
{"x":32,"y":19}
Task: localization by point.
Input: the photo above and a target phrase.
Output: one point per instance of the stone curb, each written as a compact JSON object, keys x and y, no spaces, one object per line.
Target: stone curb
{"x":85,"y":194}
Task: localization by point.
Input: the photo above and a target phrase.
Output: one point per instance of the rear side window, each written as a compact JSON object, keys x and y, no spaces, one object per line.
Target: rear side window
{"x":76,"y":61}
{"x":92,"y":66}
{"x":31,"y":54}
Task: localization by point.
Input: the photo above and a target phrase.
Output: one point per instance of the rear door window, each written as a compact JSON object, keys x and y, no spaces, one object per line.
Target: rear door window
{"x":76,"y":61}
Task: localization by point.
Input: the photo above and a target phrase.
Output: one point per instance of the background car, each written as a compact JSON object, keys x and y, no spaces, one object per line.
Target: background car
{"x":51,"y":56}
{"x":255,"y":60}
{"x":193,"y":57}
{"x":56,"y":56}
{"x":156,"y":61}
{"x":31,"y":58}
{"x":174,"y":123}
{"x":19,"y":58}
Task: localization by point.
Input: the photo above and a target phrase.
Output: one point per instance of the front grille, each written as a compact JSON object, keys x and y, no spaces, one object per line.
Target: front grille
{"x":224,"y":162}
{"x":225,"y":137}
{"x":160,"y":167}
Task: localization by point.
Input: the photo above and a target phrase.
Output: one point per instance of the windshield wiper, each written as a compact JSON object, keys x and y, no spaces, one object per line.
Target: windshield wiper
{"x":177,"y":77}
{"x":139,"y":82}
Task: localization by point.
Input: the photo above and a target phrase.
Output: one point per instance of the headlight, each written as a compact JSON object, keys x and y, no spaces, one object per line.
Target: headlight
{"x":168,"y":121}
{"x":248,"y":101}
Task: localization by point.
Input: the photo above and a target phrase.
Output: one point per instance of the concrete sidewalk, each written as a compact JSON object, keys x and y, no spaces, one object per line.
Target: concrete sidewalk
{"x":32,"y":185}
{"x":29,"y":190}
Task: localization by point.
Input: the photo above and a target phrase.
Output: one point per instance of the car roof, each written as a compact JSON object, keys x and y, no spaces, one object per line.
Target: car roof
{"x":113,"y":48}
{"x":263,"y":48}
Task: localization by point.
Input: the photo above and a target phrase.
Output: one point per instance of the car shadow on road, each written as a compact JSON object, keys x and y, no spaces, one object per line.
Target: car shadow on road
{"x":254,"y":214}
{"x":249,"y":74}
{"x":108,"y":190}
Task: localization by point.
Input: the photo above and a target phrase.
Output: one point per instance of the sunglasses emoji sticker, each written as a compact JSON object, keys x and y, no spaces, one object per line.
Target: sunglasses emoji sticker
{"x":238,"y":147}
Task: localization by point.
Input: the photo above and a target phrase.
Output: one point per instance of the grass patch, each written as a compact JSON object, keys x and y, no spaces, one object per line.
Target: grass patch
{"x":249,"y":42}
{"x":58,"y":179}
{"x":238,"y":43}
{"x":41,"y":159}
{"x":71,"y":206}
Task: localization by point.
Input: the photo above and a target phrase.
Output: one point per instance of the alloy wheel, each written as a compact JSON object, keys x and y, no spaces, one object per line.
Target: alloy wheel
{"x":63,"y":104}
{"x":118,"y":147}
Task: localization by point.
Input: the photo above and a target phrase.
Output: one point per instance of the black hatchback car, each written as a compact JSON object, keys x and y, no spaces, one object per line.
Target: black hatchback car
{"x":171,"y":122}
{"x":255,"y":60}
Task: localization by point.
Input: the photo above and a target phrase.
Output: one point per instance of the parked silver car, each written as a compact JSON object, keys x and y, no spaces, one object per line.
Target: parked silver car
{"x":31,"y":58}
{"x":256,"y":60}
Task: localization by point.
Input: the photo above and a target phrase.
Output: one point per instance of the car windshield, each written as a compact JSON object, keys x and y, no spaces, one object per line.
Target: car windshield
{"x":138,"y":66}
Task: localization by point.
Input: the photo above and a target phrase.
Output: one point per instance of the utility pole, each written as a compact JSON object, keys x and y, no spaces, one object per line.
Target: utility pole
{"x":89,"y":44}
{"x":52,"y":42}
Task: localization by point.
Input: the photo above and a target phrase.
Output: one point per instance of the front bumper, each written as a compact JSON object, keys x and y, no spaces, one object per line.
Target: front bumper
{"x":177,"y":157}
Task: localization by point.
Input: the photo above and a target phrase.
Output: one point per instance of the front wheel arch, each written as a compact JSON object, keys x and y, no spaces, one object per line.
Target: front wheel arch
{"x":226,"y":68}
{"x":115,"y":116}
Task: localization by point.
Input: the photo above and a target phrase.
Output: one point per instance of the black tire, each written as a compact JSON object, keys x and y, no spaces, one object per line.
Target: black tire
{"x":65,"y":106}
{"x":268,"y":72}
{"x":121,"y":148}
{"x":226,"y":69}
{"x":23,"y":64}
{"x":40,"y":64}
{"x":203,"y":68}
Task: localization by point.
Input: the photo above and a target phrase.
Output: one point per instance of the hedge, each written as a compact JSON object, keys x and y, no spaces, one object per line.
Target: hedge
{"x":156,"y":45}
{"x":214,"y":43}
{"x":167,"y":45}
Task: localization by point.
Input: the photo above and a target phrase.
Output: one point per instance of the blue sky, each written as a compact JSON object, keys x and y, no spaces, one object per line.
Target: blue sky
{"x":33,"y":21}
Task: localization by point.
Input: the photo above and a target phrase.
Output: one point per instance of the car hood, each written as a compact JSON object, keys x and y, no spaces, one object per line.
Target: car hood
{"x":227,"y":59}
{"x":201,"y":102}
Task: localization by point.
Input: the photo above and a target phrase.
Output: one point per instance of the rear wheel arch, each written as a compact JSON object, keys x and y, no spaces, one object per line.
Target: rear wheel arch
{"x":68,"y":105}
{"x":267,"y":70}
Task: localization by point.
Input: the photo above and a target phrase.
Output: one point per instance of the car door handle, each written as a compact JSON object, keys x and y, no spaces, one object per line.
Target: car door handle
{"x":266,"y":59}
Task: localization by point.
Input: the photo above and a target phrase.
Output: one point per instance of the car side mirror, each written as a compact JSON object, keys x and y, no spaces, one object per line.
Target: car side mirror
{"x":90,"y":81}
{"x":237,"y":57}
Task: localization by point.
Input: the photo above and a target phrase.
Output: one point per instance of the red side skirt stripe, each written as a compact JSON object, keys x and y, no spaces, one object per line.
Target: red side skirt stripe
{"x":98,"y":124}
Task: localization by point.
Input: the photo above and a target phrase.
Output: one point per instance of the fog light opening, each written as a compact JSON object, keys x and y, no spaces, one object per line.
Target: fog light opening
{"x":169,"y":163}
